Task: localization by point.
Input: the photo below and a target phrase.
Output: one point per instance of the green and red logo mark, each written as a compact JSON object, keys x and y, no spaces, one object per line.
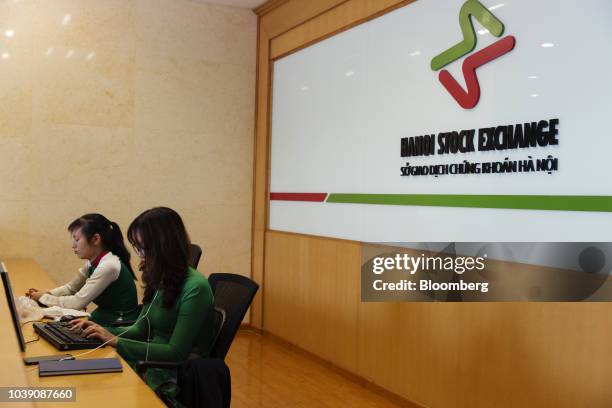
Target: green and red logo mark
{"x":471,"y":8}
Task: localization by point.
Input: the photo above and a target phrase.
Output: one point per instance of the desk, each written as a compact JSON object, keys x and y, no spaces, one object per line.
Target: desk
{"x":109,"y":390}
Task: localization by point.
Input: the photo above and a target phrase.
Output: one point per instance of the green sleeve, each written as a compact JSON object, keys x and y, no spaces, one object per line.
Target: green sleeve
{"x":136,"y":331}
{"x":193,"y":309}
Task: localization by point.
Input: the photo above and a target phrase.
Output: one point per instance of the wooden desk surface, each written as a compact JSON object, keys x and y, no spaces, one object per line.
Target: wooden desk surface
{"x":108,"y":390}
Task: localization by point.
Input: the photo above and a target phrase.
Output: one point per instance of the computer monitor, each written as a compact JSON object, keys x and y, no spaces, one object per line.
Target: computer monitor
{"x":11,"y":304}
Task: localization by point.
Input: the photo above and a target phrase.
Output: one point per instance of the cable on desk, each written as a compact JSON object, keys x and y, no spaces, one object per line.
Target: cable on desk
{"x":31,"y":321}
{"x":32,"y":341}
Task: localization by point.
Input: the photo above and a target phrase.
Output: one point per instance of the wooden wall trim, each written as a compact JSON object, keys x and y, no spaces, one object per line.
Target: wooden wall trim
{"x":260,"y":173}
{"x":336,"y":20}
{"x":293,"y":13}
{"x":315,"y":237}
{"x":268,"y":6}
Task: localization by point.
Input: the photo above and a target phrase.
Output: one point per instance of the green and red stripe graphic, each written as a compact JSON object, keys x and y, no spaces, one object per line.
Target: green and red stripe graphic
{"x":516,"y":202}
{"x":314,"y":197}
{"x":471,"y":8}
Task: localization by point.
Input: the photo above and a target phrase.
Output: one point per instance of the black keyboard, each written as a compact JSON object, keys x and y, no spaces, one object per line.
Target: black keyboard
{"x":62,"y":329}
{"x":60,"y":335}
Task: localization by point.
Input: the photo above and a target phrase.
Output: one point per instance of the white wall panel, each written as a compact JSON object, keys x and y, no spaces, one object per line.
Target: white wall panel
{"x":341,"y":106}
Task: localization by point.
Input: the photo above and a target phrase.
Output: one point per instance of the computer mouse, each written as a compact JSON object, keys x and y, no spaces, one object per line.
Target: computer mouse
{"x":67,"y":318}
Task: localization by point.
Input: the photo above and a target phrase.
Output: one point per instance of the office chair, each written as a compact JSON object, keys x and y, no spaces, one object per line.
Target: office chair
{"x":233,"y":295}
{"x":195,"y":253}
{"x":201,"y":382}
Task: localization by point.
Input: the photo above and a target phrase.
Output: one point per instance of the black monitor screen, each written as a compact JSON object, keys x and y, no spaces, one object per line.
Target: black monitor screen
{"x":11,"y":304}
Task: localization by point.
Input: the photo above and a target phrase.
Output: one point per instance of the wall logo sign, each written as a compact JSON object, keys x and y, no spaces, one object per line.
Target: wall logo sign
{"x":471,"y":8}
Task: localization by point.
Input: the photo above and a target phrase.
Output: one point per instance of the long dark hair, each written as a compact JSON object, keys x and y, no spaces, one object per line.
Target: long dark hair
{"x":110,"y":234}
{"x":160,"y":235}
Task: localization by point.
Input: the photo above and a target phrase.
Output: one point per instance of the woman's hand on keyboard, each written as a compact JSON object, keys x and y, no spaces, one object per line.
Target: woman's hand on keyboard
{"x":95,"y":331}
{"x":76,"y":325}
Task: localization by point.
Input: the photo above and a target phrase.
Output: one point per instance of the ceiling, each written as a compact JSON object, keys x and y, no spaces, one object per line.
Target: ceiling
{"x":249,"y":4}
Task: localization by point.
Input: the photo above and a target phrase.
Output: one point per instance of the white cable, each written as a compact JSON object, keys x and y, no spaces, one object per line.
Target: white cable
{"x":148,"y":339}
{"x":148,"y":342}
{"x":120,"y":334}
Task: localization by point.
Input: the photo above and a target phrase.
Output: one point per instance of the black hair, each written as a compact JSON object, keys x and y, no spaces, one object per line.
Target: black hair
{"x":110,"y":235}
{"x":159,"y":233}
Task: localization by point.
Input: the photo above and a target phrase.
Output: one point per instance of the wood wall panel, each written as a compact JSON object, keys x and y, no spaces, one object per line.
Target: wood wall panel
{"x":410,"y":349}
{"x":316,"y":281}
{"x":536,"y":354}
{"x":436,"y":354}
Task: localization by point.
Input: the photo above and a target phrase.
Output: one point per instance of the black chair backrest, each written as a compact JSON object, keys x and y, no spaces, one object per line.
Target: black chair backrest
{"x":195,"y":253}
{"x":218,"y":322}
{"x":234,"y":294}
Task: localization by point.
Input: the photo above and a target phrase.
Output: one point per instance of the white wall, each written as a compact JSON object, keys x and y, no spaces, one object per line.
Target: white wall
{"x":341,"y":106}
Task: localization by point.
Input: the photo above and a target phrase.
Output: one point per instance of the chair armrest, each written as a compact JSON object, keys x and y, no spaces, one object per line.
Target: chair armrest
{"x":122,"y":323}
{"x":143,"y":366}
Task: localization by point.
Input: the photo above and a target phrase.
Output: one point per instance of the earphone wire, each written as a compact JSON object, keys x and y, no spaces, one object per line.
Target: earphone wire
{"x":122,"y":333}
{"x":148,"y":339}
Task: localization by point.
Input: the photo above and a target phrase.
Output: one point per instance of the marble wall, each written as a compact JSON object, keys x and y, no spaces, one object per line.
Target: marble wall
{"x":116,"y":106}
